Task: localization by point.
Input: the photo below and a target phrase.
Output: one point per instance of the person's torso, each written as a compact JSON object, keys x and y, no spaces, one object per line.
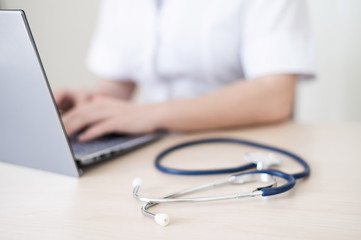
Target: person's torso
{"x":187,"y":46}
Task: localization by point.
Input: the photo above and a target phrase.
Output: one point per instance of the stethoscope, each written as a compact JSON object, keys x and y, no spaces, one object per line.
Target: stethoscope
{"x":259,"y":160}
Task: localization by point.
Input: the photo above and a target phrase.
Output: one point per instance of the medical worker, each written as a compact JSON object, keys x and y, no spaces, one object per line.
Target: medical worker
{"x":193,"y":64}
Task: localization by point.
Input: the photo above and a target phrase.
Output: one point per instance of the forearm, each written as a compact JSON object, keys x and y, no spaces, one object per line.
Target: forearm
{"x":116,"y":89}
{"x":263,"y":100}
{"x":268,"y":99}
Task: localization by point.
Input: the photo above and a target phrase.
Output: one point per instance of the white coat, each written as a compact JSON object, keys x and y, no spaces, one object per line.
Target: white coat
{"x":184,"y":48}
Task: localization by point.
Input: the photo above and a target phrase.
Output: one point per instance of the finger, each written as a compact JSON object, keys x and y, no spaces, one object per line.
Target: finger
{"x":99,"y":129}
{"x":80,"y":96}
{"x":85,"y":114}
{"x":62,"y":99}
{"x":81,"y":117}
{"x":59,"y":95}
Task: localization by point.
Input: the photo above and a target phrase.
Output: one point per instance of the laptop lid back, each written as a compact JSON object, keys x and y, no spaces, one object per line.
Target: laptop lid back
{"x":31,"y":132}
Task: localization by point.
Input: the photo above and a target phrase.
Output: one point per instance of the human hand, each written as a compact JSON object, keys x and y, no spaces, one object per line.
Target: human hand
{"x":67,"y":99}
{"x":103,"y":115}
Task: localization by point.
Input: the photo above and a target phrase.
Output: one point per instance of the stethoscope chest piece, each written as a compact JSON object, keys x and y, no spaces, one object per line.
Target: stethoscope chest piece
{"x":262,"y":160}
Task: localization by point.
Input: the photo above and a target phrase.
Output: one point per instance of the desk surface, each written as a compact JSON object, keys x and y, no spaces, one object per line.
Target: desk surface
{"x":99,"y":205}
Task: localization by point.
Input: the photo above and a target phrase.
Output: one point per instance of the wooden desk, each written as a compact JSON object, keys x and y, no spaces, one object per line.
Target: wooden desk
{"x":99,"y":205}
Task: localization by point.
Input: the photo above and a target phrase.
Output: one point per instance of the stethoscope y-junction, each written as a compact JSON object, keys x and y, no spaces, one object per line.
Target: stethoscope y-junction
{"x":260,"y":160}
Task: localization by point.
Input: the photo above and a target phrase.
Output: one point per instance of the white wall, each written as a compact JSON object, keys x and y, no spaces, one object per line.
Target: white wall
{"x":62,"y":30}
{"x":336,"y":94}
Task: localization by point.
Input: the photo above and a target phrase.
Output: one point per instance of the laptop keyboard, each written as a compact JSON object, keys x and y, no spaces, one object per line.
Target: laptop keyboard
{"x":92,"y":146}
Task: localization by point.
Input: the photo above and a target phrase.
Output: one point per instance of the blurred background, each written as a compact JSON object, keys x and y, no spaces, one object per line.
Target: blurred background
{"x":63,"y":29}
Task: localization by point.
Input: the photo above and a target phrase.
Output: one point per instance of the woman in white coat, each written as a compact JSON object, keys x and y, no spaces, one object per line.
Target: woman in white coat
{"x":198,"y":64}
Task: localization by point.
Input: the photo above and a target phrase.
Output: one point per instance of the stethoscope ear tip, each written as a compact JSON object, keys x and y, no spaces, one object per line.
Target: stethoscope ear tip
{"x":137,"y":182}
{"x":162,"y":219}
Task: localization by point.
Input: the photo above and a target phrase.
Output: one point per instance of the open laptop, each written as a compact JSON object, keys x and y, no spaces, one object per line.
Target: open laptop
{"x":31,"y":130}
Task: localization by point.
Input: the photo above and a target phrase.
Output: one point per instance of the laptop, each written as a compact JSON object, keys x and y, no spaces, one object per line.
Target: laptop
{"x":31,"y":130}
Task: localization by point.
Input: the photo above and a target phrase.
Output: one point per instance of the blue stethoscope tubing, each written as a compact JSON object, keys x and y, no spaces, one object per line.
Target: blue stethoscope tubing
{"x":290,"y":178}
{"x":291,"y":181}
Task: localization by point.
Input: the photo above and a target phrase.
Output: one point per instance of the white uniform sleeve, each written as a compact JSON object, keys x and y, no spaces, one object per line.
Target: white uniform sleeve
{"x":105,"y":52}
{"x":276,"y":39}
